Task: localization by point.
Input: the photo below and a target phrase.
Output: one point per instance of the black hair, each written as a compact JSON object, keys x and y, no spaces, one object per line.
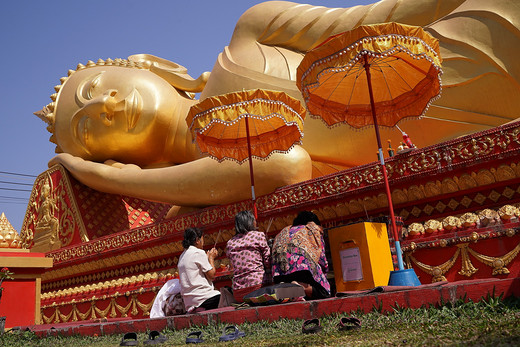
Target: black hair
{"x":305,"y":217}
{"x":190,"y":237}
{"x":244,"y":222}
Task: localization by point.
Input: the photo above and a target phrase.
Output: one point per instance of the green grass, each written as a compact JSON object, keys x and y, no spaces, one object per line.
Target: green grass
{"x":489,"y":322}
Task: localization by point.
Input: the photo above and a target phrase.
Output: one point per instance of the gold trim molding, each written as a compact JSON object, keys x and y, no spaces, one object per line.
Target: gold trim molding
{"x":112,"y":310}
{"x":467,"y":268}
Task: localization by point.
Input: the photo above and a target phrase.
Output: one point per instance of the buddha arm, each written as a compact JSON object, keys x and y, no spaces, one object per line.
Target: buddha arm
{"x":201,"y":182}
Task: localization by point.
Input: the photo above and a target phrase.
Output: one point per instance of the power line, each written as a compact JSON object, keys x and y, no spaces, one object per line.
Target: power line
{"x":12,"y":202}
{"x":17,"y":174}
{"x":21,"y":184}
{"x":15,"y":180}
{"x":16,"y":190}
{"x":13,"y":197}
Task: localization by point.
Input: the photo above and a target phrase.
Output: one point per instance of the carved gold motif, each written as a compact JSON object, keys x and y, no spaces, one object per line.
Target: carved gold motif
{"x":342,"y":209}
{"x":162,"y":250}
{"x":508,"y":212}
{"x":432,"y":226}
{"x":508,"y":193}
{"x":467,"y":268}
{"x":416,"y":229}
{"x":437,"y":272}
{"x":449,"y":186}
{"x":488,"y":217}
{"x":440,"y":206}
{"x":162,"y":229}
{"x":469,"y":219}
{"x":51,"y":216}
{"x":453,"y":204}
{"x":494,"y":195}
{"x":113,"y":309}
{"x":432,"y":189}
{"x":46,"y":222}
{"x":399,"y":197}
{"x":504,"y":173}
{"x":451,"y":222}
{"x":479,"y":198}
{"x":466,"y":181}
{"x":485,"y":177}
{"x":497,"y":263}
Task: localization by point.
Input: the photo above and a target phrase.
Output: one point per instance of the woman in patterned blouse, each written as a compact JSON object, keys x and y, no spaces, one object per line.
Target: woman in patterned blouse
{"x":299,"y":256}
{"x":250,"y":256}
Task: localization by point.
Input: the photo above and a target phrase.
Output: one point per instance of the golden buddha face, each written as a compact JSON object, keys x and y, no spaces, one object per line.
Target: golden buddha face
{"x":113,"y":112}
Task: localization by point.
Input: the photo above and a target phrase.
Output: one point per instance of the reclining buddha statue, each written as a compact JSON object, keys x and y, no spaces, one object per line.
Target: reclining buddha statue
{"x":119,"y":125}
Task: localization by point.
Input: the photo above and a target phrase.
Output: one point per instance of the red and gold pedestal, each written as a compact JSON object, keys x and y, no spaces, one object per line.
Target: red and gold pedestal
{"x":458,"y":200}
{"x":20,"y":302}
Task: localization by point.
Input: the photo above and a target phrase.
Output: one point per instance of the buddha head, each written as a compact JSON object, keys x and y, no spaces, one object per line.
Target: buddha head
{"x":119,"y":109}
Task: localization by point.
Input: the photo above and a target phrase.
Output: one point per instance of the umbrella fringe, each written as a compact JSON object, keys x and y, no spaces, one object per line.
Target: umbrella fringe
{"x":220,"y":160}
{"x":364,"y":127}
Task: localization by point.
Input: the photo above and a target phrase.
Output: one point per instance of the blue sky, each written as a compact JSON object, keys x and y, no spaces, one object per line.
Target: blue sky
{"x":41,"y":40}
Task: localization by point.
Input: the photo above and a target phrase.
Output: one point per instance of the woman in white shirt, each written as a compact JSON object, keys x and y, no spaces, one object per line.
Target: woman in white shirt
{"x":196,"y":273}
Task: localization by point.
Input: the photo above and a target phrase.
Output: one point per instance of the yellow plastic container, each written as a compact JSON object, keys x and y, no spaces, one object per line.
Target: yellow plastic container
{"x":360,"y":255}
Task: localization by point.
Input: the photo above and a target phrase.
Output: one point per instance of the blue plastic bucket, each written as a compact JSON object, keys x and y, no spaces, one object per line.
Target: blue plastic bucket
{"x":406,"y":277}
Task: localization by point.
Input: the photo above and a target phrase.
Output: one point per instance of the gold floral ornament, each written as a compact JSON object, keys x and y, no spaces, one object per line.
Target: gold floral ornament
{"x":451,"y":223}
{"x":488,"y":217}
{"x":112,"y":310}
{"x":432,"y":226}
{"x":415,"y":229}
{"x":497,"y":263}
{"x":469,"y":219}
{"x":436,"y":271}
{"x":467,"y":268}
{"x":508,"y":213}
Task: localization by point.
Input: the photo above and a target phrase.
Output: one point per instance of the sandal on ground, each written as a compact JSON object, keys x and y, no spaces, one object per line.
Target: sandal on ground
{"x":155,"y":337}
{"x":311,"y":326}
{"x":230,"y":336}
{"x":129,"y":339}
{"x":194,"y":337}
{"x":240,"y":306}
{"x":349,"y":323}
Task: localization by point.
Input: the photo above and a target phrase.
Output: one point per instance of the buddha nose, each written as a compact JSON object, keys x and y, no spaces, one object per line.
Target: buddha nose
{"x":109,"y":100}
{"x":103,"y":106}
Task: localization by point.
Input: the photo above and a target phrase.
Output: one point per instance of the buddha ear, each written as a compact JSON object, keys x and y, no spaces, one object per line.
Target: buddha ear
{"x":173,"y":73}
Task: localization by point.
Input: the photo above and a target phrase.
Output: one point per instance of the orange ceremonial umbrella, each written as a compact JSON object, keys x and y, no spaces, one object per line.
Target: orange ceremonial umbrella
{"x":372,"y":75}
{"x":243,"y":125}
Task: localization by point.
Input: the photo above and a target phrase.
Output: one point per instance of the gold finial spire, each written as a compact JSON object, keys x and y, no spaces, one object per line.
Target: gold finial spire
{"x":9,"y":238}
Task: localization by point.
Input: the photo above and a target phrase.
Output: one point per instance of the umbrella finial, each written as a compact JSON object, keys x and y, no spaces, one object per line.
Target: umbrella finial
{"x":390,"y":149}
{"x":406,"y":138}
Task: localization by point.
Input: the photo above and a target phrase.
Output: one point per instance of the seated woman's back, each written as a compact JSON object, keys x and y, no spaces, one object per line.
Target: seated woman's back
{"x":249,"y":254}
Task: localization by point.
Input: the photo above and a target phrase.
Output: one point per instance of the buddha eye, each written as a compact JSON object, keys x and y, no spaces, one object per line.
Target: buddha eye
{"x":88,"y":89}
{"x":91,"y":89}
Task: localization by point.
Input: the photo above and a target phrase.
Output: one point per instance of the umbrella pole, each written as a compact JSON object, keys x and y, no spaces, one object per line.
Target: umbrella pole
{"x":383,"y":167}
{"x":255,"y":211}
